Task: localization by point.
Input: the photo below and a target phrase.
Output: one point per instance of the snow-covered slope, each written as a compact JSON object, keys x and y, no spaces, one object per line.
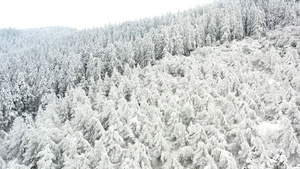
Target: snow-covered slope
{"x":229,"y":106}
{"x":211,"y":87}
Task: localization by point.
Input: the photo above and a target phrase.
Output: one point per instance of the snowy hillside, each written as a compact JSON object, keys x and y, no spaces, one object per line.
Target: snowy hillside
{"x":170,"y":95}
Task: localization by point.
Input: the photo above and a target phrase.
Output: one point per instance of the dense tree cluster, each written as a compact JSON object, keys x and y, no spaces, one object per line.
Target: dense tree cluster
{"x":125,"y":96}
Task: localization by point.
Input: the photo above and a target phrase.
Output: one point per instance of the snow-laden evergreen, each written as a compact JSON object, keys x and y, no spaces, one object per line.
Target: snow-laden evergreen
{"x":212,"y":87}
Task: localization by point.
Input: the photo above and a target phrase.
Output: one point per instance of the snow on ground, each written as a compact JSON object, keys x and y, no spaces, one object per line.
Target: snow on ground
{"x":266,"y":128}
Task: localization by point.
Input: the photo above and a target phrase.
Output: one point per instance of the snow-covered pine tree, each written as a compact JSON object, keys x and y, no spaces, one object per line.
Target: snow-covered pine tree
{"x":196,"y":133}
{"x":223,"y":158}
{"x":169,"y":161}
{"x":202,"y":158}
{"x":46,"y":158}
{"x":15,"y":141}
{"x":289,"y":143}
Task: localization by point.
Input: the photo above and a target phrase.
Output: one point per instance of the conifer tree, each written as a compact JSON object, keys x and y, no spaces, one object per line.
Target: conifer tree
{"x":202,"y":158}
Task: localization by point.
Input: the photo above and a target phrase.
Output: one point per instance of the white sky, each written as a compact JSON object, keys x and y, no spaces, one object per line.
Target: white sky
{"x":84,"y":13}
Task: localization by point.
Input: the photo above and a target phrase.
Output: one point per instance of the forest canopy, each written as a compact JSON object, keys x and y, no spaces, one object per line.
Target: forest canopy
{"x":216,"y":86}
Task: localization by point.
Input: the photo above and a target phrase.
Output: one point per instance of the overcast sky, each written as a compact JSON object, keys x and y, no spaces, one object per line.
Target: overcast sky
{"x":84,"y":13}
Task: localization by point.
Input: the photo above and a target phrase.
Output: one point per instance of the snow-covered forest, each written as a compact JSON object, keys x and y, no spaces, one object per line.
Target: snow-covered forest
{"x":213,"y":87}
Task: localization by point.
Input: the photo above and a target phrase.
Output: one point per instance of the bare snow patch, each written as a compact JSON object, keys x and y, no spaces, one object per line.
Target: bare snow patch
{"x":266,"y":128}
